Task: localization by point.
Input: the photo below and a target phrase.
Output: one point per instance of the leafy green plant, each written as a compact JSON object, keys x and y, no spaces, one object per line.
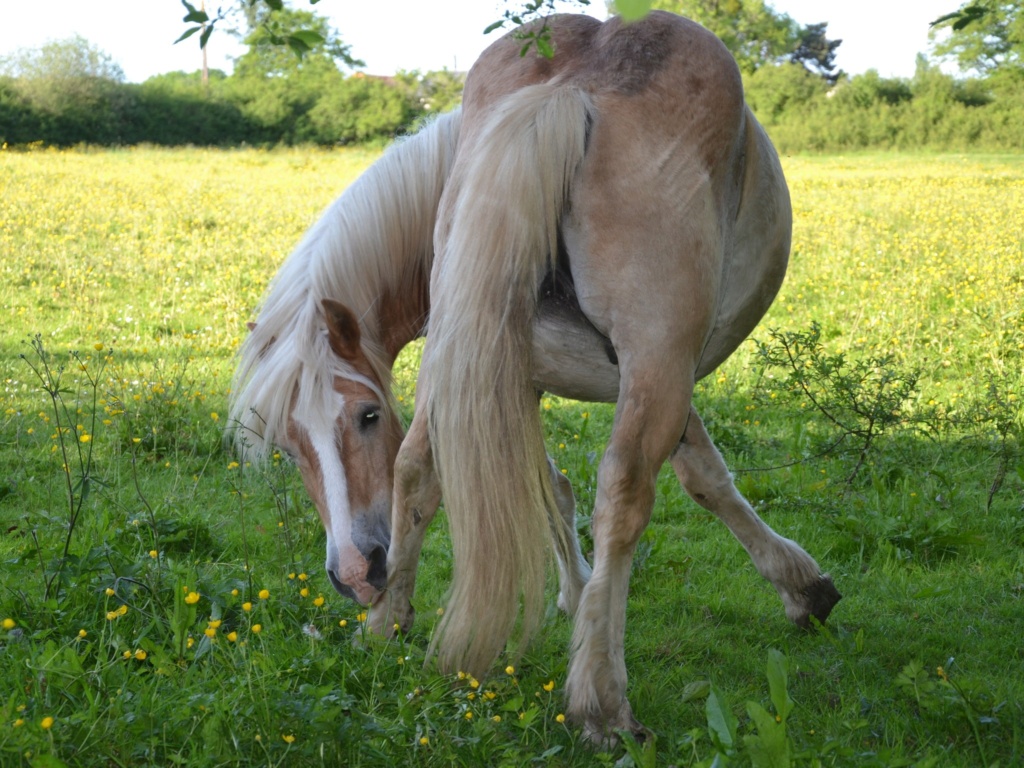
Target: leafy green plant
{"x":73,"y":443}
{"x":860,"y":398}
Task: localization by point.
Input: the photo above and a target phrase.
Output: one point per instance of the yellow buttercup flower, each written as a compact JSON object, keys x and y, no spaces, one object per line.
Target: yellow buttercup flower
{"x":46,"y":723}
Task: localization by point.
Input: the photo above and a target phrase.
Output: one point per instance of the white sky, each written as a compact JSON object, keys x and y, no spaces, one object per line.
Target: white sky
{"x":423,"y":34}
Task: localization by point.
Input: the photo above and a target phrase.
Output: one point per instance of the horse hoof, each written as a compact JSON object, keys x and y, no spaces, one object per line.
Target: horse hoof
{"x":608,"y":734}
{"x":820,"y":598}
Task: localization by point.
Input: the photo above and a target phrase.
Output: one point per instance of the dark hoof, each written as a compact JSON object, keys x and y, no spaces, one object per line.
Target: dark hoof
{"x":822,"y":597}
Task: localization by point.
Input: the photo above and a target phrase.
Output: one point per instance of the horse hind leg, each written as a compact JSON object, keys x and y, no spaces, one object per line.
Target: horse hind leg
{"x":573,"y":569}
{"x":417,"y":495}
{"x":649,"y":415}
{"x":804,"y":590}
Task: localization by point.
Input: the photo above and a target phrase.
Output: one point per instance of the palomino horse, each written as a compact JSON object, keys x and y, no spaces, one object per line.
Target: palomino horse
{"x":610,"y":225}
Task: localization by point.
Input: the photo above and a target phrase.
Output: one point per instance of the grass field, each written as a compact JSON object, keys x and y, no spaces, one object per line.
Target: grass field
{"x":162,"y":605}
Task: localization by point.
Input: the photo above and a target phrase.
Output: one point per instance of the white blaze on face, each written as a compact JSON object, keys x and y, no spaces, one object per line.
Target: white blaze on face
{"x":335,"y":485}
{"x":323,"y":438}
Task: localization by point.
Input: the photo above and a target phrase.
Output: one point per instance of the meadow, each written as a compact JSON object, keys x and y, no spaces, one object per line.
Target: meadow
{"x":163,"y":605}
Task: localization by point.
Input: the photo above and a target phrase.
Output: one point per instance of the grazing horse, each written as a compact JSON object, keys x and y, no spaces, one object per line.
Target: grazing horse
{"x":607,"y":225}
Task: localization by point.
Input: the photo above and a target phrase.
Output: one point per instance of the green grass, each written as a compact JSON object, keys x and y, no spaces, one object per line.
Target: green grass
{"x":911,"y":263}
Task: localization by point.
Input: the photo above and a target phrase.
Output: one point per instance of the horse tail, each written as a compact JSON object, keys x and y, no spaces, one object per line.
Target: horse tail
{"x":497,"y":235}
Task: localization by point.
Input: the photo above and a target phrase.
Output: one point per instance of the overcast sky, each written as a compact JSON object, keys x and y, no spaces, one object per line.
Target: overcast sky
{"x":423,"y":34}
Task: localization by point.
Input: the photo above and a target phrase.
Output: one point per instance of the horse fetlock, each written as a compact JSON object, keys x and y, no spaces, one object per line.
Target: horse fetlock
{"x":387,"y":616}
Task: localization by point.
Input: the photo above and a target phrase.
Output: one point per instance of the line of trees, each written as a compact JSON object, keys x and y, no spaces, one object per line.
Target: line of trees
{"x":69,"y":92}
{"x":806,"y":104}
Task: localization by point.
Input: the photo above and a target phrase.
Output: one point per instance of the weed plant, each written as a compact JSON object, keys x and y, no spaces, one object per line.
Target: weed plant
{"x":162,"y":604}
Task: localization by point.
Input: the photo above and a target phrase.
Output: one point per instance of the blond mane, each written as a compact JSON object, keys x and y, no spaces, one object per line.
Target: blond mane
{"x":374,"y":239}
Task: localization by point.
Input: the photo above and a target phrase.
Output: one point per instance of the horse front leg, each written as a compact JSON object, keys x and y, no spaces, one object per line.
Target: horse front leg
{"x":417,"y":495}
{"x":804,"y":589}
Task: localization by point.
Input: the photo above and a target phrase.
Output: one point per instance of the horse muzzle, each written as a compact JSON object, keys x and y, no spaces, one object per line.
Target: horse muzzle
{"x":365,"y":589}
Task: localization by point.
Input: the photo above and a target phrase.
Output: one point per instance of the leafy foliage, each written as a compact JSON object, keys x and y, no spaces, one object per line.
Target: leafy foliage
{"x":70,"y":92}
{"x":985,"y":37}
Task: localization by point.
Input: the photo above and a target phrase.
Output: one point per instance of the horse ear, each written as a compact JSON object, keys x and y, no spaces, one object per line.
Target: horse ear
{"x":342,"y":329}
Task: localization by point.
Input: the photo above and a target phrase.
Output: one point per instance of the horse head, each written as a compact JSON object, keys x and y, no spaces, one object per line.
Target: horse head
{"x":347,"y":460}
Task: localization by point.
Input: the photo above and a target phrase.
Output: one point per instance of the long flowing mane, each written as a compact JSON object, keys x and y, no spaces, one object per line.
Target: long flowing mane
{"x":373,"y":241}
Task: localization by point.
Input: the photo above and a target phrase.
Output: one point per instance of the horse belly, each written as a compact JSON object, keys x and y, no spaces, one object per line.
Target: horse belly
{"x":570,"y":357}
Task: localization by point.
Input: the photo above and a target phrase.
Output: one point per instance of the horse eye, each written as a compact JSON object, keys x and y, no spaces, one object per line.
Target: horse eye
{"x":368,"y":418}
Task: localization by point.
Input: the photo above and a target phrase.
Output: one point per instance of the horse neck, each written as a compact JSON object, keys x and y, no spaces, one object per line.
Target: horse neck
{"x":380,"y":237}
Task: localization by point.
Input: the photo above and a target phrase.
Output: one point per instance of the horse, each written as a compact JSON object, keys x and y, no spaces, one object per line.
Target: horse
{"x":606,"y":225}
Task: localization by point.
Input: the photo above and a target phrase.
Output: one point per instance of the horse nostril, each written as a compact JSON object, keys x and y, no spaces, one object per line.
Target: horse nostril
{"x":377,"y":573}
{"x":342,"y":589}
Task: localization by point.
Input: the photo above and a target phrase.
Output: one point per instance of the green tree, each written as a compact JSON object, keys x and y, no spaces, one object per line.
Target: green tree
{"x":274,"y":88}
{"x":985,"y":37}
{"x":361,"y":108}
{"x":74,"y":87}
{"x":755,"y":33}
{"x":816,"y":52}
{"x":774,"y":90}
{"x":269,"y":36}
